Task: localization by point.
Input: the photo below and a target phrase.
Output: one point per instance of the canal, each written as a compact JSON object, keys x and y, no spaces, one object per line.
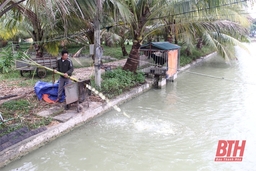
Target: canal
{"x":174,"y":128}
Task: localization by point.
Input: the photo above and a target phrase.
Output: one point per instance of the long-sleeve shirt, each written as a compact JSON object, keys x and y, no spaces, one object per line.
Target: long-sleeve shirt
{"x":65,"y":66}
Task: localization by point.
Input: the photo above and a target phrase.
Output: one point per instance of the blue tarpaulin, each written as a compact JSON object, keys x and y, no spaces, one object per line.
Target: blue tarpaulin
{"x":49,"y":89}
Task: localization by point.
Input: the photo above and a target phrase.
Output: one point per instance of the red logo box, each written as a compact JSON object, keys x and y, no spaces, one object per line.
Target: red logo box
{"x":230,"y":151}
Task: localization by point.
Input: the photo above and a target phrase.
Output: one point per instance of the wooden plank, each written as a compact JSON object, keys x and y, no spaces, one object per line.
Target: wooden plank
{"x":23,"y":66}
{"x":50,"y":62}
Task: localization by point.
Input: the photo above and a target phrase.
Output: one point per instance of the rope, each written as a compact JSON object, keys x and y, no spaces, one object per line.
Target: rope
{"x":10,"y":119}
{"x":219,"y":78}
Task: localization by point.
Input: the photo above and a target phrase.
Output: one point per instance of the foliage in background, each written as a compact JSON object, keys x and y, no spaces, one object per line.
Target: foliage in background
{"x":115,"y":82}
{"x":72,"y":48}
{"x":253,"y":29}
{"x":195,"y":54}
{"x":52,"y":48}
{"x":114,"y":52}
{"x":7,"y":59}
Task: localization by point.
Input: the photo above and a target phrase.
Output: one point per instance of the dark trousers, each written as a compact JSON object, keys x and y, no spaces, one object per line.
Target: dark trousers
{"x":62,"y":82}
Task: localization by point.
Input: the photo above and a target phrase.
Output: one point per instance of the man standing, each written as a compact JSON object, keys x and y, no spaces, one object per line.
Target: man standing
{"x":65,"y":66}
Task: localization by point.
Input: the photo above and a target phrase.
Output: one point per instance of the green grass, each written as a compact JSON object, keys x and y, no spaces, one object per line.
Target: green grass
{"x":19,"y":113}
{"x":196,"y":53}
{"x":116,"y":52}
{"x":11,"y":75}
{"x":14,"y":78}
{"x":11,"y":106}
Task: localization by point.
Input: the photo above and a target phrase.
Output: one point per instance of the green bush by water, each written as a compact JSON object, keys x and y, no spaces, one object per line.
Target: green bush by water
{"x":116,"y":81}
{"x":195,"y":54}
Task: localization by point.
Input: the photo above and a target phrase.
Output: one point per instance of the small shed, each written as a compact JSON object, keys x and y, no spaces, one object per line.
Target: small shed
{"x":164,"y":58}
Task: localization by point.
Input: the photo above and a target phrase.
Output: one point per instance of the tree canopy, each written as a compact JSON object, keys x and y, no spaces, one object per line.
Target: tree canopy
{"x":220,"y":24}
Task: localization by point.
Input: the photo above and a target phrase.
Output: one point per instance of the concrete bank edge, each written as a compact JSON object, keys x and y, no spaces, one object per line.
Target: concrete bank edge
{"x":34,"y":142}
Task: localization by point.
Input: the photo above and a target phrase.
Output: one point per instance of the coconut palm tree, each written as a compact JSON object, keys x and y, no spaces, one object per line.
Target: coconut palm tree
{"x":195,"y":22}
{"x":208,"y":25}
{"x":40,"y":19}
{"x":86,"y":10}
{"x":143,"y":12}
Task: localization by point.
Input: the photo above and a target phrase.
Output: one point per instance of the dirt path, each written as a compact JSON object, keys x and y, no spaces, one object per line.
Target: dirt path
{"x":86,"y":73}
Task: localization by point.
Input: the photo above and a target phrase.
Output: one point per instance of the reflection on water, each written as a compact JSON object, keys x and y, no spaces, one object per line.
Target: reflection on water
{"x":175,"y":128}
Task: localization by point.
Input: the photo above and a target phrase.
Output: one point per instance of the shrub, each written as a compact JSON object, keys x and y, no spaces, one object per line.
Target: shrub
{"x":116,"y":81}
{"x":195,"y":54}
{"x":7,"y":59}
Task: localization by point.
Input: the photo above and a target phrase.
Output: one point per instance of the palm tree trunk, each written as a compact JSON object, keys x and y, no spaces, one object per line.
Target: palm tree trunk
{"x":39,"y":47}
{"x":133,"y":59}
{"x":188,"y":51}
{"x":199,"y":43}
{"x":3,"y":43}
{"x":124,"y":52}
{"x":158,"y":38}
{"x":169,"y":38}
{"x":169,"y":35}
{"x":90,"y":36}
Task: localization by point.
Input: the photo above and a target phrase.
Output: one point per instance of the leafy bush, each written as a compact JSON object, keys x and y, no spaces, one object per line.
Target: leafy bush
{"x":7,"y":59}
{"x":195,"y":54}
{"x":184,"y":60}
{"x":116,"y":81}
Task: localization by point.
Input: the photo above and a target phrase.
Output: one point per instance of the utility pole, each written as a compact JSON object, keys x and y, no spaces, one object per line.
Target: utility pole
{"x":98,"y":51}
